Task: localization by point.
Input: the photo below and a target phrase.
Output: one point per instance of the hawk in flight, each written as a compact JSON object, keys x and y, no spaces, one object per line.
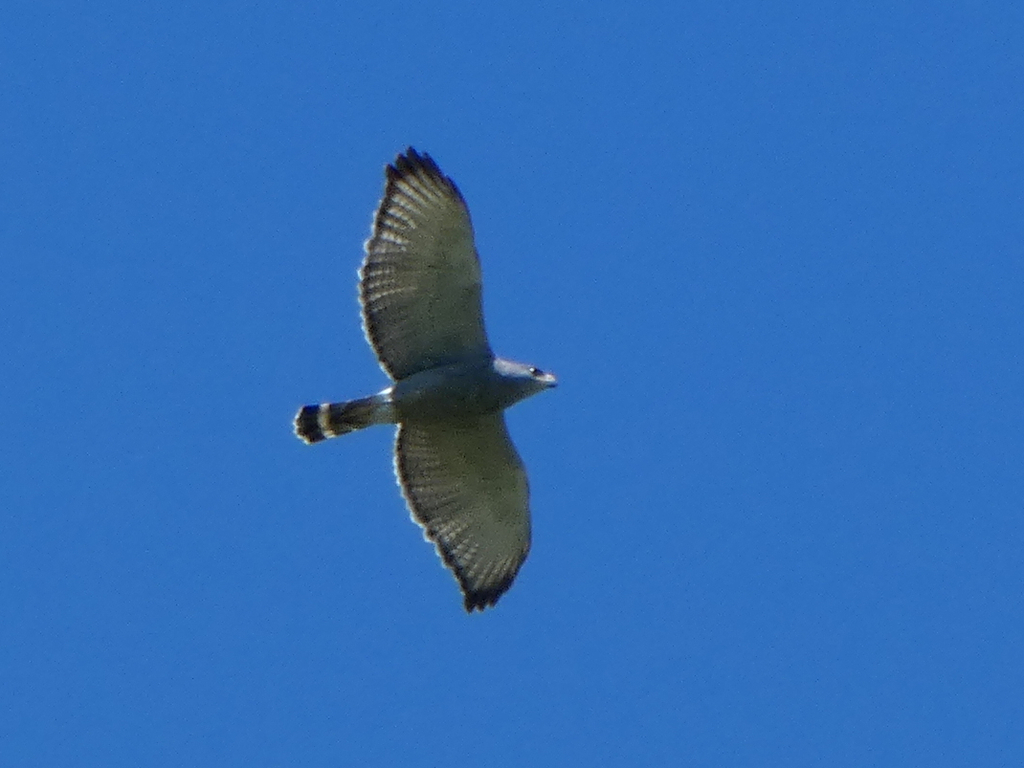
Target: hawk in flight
{"x":419,"y":288}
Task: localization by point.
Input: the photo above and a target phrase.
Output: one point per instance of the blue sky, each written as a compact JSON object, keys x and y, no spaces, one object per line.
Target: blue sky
{"x":774,"y":254}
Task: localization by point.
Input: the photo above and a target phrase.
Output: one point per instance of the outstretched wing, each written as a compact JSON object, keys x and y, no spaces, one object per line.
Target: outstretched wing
{"x":420,"y":281}
{"x":466,"y":486}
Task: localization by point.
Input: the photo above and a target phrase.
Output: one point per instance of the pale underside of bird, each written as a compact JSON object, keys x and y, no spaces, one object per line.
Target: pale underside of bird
{"x":420,"y":293}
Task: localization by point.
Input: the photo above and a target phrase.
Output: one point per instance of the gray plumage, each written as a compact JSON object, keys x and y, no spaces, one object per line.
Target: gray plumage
{"x":420,"y":292}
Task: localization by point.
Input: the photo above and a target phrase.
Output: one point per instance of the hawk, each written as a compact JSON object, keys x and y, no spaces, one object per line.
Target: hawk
{"x":420,"y":293}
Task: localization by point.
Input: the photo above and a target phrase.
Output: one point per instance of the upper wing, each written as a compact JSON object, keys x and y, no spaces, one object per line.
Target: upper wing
{"x":420,"y":281}
{"x":466,"y":486}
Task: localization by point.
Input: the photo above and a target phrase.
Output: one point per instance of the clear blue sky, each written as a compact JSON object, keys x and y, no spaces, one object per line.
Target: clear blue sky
{"x":774,"y":252}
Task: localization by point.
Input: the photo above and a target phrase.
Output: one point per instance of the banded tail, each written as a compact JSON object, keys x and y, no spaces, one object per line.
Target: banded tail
{"x":314,"y":423}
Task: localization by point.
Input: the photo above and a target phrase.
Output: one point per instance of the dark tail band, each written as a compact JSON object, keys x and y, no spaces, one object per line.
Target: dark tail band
{"x":307,"y":424}
{"x":314,"y":423}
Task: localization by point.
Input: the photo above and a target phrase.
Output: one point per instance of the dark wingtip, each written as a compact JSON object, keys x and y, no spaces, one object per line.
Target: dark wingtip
{"x":414,"y":159}
{"x":478,"y":601}
{"x":307,"y":424}
{"x":413,"y":163}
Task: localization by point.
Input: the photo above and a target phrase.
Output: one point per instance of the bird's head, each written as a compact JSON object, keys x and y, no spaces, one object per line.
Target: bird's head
{"x":543,"y":377}
{"x":525,"y":379}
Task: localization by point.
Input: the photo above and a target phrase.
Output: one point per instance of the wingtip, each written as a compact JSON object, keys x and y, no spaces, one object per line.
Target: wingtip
{"x":410,"y":162}
{"x":478,"y":602}
{"x":480,"y":599}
